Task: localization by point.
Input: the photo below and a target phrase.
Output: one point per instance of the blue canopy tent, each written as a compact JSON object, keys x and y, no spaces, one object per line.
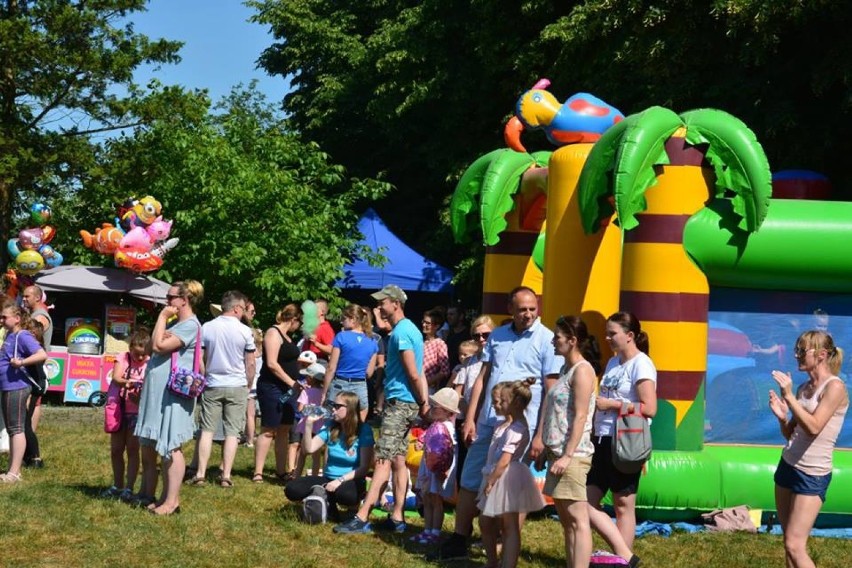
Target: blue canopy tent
{"x":405,"y":267}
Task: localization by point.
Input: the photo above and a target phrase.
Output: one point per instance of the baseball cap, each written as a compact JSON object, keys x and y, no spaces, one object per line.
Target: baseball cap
{"x":391,"y":291}
{"x":313,"y":370}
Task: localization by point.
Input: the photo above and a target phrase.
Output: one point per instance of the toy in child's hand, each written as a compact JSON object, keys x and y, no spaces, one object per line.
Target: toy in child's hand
{"x":439,"y":448}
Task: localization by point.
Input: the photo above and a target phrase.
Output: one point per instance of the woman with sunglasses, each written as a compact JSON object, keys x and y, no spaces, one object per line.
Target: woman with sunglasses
{"x":817,"y":408}
{"x":349,"y":457}
{"x":165,"y":420}
{"x":463,"y":378}
{"x":20,"y":349}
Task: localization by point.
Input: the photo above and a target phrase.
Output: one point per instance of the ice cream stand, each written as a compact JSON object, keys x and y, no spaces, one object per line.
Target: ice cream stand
{"x":92,"y":319}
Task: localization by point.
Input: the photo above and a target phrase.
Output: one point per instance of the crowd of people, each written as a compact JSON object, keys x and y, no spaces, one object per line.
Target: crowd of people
{"x":500,"y":399}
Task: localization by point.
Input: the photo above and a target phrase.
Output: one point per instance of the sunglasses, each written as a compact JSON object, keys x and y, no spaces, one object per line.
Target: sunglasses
{"x":477,"y":336}
{"x":170,"y":297}
{"x":801,"y":352}
{"x":337,"y":405}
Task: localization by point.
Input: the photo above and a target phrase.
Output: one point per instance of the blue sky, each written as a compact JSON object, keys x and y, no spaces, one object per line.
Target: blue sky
{"x":220,"y":46}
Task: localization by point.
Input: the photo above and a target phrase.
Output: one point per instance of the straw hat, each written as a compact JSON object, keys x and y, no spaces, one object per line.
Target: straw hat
{"x":446,"y":398}
{"x":216,"y":310}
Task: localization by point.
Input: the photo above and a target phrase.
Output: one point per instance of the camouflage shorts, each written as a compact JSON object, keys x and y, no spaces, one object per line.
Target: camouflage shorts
{"x":397,"y":419}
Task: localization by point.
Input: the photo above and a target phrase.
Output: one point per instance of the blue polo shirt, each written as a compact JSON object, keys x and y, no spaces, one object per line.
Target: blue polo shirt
{"x":514,"y":357}
{"x":404,"y":336}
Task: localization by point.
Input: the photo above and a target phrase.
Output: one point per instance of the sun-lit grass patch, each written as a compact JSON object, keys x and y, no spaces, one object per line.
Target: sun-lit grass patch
{"x":54,"y":518}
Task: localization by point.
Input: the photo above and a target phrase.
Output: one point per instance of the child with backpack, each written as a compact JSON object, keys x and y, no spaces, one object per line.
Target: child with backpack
{"x":128,"y":374}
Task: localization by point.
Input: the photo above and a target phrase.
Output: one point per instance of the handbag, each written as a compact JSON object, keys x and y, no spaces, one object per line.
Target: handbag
{"x":631,"y":446}
{"x":34,"y":373}
{"x":114,"y":408}
{"x":188,"y":383}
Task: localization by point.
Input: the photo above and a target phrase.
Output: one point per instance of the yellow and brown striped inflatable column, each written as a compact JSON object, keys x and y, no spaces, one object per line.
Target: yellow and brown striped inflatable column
{"x":581,"y":272}
{"x":670,"y":295}
{"x":509,"y":264}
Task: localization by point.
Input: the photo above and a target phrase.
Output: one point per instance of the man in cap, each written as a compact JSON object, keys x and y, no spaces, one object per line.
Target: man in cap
{"x":406,"y":396}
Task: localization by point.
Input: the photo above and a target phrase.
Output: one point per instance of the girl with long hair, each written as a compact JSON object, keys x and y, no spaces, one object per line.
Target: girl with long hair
{"x":353,"y":357}
{"x":349,"y":442}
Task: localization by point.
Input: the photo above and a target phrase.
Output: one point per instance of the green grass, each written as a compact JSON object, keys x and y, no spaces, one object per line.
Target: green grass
{"x":54,"y":518}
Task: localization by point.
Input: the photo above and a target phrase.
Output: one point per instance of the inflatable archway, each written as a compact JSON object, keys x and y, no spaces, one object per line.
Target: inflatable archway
{"x":670,"y":216}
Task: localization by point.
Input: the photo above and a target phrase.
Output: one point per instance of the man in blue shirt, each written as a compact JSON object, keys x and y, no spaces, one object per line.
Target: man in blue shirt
{"x":406,"y":396}
{"x":515,"y":351}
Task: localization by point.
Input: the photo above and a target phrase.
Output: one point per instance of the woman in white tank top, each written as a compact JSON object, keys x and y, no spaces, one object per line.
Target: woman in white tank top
{"x":817,"y":410}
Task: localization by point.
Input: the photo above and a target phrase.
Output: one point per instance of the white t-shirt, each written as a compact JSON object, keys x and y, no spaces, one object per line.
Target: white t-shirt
{"x":467,"y":376}
{"x":619,"y":383}
{"x":226,"y":341}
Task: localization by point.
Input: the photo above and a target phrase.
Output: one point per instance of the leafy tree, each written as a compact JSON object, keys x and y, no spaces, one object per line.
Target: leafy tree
{"x":61,"y":62}
{"x":255,"y":207}
{"x":419,"y":89}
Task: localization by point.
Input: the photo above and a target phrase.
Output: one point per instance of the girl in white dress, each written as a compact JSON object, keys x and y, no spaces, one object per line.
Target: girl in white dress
{"x":508,"y":487}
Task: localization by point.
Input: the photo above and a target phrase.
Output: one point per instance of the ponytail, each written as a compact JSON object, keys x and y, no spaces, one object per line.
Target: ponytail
{"x":630,"y":324}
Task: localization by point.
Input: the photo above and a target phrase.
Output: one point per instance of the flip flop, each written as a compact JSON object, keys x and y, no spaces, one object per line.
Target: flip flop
{"x":226,"y":482}
{"x":257,"y":478}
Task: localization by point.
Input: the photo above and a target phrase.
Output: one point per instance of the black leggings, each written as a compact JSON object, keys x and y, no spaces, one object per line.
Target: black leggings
{"x":348,"y":494}
{"x":32,"y":451}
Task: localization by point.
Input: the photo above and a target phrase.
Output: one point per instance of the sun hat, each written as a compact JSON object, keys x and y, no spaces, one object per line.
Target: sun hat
{"x":446,"y":398}
{"x":308,"y":357}
{"x":391,"y":291}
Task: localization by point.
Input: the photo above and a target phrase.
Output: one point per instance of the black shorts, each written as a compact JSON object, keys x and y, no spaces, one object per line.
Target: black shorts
{"x":603,"y":474}
{"x":274,"y":413}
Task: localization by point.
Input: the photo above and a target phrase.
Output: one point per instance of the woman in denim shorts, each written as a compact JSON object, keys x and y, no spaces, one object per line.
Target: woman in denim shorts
{"x":810,"y":420}
{"x":353,"y":358}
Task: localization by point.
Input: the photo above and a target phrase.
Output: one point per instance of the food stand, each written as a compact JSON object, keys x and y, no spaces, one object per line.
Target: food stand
{"x":92,"y":323}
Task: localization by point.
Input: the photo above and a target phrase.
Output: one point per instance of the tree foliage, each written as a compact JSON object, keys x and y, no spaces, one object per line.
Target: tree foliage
{"x":61,"y":62}
{"x":256,"y":208}
{"x":420,"y":89}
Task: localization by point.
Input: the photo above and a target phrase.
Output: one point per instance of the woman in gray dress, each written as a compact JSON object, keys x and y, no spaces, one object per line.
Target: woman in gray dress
{"x":166,"y":419}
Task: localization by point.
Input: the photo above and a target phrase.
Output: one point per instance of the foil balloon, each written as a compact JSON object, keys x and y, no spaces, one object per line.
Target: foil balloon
{"x":105,"y":240}
{"x":51,"y":258}
{"x":40,"y":214}
{"x":439,"y":448}
{"x":30,"y":238}
{"x":29,"y":262}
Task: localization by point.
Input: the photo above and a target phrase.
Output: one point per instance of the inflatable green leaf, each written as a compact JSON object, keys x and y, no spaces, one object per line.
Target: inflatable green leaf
{"x":594,"y":186}
{"x":642,"y":147}
{"x":738,"y":160}
{"x":465,"y":196}
{"x":501,"y":183}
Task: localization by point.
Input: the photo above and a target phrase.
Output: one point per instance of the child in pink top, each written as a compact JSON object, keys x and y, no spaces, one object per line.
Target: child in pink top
{"x":310,"y":395}
{"x":129,"y":374}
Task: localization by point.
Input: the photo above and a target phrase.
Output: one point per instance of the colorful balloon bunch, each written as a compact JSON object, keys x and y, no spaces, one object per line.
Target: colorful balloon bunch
{"x":138,"y":240}
{"x":31,"y":251}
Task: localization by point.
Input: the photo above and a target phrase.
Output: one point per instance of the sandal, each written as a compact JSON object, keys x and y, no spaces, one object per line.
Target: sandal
{"x":10,"y":477}
{"x":197,"y":481}
{"x":226,"y":482}
{"x":257,"y":478}
{"x":286,"y":477}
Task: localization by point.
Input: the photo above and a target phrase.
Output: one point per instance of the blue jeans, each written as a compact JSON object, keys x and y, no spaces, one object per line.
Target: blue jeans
{"x":358,"y":387}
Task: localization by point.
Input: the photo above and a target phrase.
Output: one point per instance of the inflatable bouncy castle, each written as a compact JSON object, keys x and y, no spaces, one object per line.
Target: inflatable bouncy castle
{"x":672,"y":217}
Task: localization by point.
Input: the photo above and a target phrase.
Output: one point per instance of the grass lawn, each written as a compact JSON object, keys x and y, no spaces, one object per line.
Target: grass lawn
{"x":54,"y":518}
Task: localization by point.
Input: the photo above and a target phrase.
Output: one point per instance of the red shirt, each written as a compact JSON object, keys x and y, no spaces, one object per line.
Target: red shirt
{"x":325,"y":335}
